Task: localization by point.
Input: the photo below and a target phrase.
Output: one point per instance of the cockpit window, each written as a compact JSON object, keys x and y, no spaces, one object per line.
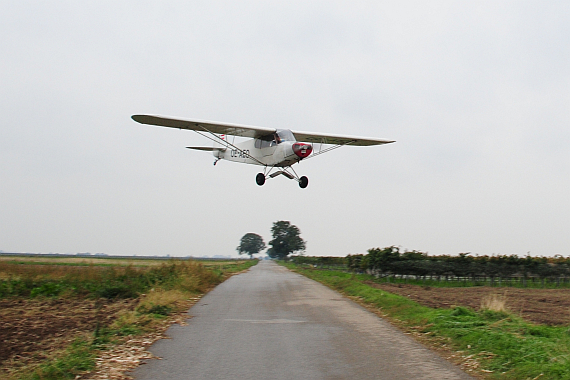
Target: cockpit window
{"x":265,"y":141}
{"x":276,"y":138}
{"x":285,"y":135}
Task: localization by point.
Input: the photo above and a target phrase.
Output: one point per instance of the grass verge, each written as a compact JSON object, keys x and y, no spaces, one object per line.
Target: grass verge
{"x":492,"y":344}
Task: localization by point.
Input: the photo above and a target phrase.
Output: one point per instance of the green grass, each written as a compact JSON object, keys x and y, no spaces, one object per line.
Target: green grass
{"x":79,"y":358}
{"x":502,"y":343}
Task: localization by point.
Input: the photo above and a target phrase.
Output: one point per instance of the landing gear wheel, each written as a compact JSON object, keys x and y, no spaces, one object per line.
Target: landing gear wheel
{"x":303,"y":182}
{"x":260,"y":179}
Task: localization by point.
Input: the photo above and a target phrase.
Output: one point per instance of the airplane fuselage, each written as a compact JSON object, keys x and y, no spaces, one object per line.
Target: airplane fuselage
{"x":280,"y":150}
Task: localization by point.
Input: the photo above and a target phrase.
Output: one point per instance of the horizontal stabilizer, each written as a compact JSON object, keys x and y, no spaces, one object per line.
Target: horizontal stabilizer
{"x":207,"y":148}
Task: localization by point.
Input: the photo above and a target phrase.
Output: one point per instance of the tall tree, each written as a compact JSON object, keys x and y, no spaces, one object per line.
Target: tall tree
{"x":286,"y":240}
{"x":250,"y":244}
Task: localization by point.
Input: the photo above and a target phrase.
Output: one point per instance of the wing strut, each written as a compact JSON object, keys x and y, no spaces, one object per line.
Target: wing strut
{"x":328,"y":149}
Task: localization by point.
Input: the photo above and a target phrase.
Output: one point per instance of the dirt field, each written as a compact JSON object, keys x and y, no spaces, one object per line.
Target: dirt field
{"x":545,"y":306}
{"x":29,"y":328}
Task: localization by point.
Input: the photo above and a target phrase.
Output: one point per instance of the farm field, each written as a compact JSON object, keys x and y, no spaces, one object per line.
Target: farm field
{"x":31,"y":329}
{"x":544,"y":306}
{"x":100,"y":261}
{"x":59,"y":316}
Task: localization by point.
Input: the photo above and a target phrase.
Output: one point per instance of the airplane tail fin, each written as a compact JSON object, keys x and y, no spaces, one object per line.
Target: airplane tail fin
{"x":218,"y":152}
{"x":219,"y":144}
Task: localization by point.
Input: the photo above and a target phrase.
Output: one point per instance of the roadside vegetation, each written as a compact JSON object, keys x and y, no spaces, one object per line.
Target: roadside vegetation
{"x":395,"y":265}
{"x":490,"y":342}
{"x":87,"y":309}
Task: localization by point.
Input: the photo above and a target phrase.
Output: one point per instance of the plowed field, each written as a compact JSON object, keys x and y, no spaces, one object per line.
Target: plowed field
{"x":30,"y":328}
{"x":545,"y":306}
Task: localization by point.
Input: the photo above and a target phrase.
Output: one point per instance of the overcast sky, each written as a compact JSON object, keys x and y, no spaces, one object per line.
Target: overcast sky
{"x":476,"y":94}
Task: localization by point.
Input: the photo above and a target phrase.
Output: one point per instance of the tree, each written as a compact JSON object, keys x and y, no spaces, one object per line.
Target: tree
{"x":250,"y":244}
{"x":286,"y":240}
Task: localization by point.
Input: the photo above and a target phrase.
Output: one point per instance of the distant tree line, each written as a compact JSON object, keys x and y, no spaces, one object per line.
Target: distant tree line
{"x":391,"y":261}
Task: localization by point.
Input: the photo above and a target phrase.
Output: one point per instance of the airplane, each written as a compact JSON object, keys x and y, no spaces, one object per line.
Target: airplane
{"x":274,"y":149}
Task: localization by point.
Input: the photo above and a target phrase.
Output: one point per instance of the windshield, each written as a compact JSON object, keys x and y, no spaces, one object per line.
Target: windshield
{"x":275,"y":138}
{"x":285,"y":135}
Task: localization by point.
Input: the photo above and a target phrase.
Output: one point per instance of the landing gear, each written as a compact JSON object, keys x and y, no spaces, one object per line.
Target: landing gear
{"x":260,"y":179}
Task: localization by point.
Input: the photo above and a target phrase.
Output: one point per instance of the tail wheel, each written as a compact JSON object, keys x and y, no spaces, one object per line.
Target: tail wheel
{"x":260,"y":179}
{"x":303,"y":182}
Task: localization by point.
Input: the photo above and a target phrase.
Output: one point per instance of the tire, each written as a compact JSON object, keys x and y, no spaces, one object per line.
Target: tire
{"x":260,"y":179}
{"x":303,"y":182}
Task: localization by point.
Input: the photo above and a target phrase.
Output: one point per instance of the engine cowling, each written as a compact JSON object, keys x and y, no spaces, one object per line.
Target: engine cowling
{"x":302,"y":150}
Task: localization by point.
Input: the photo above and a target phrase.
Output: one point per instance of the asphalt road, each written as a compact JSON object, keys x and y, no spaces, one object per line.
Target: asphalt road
{"x":271,"y":323}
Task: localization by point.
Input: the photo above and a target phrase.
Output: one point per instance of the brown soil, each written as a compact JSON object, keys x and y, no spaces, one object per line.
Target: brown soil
{"x":31,"y":328}
{"x":544,"y":306}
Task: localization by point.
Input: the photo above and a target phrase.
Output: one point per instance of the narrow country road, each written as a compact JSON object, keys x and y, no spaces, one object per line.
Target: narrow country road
{"x":271,"y":323}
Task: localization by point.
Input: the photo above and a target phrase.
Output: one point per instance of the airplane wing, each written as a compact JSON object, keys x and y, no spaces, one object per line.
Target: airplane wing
{"x":254,"y":132}
{"x":327,"y":138}
{"x":205,"y":126}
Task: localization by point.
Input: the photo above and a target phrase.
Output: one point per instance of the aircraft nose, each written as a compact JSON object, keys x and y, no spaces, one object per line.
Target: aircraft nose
{"x":302,"y":150}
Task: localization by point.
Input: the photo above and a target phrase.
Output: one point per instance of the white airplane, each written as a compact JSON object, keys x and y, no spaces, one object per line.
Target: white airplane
{"x":268,"y":147}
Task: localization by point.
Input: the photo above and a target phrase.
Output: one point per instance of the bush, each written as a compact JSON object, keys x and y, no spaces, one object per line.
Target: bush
{"x":116,"y":290}
{"x":48,"y":289}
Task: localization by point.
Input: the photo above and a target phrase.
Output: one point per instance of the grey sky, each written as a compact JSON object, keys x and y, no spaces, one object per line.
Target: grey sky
{"x":477,"y":95}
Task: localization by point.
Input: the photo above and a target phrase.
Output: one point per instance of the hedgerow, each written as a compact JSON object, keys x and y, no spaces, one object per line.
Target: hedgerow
{"x":504,"y":269}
